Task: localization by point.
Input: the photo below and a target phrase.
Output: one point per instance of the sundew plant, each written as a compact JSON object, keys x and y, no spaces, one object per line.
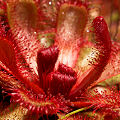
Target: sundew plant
{"x":59,"y":60}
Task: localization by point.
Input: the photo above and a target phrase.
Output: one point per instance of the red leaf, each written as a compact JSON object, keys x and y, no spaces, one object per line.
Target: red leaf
{"x":46,"y":61}
{"x":71,"y":23}
{"x":103,"y":45}
{"x":7,"y":54}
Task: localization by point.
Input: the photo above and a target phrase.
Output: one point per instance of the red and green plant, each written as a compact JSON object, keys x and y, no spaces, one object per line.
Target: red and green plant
{"x":57,"y":62}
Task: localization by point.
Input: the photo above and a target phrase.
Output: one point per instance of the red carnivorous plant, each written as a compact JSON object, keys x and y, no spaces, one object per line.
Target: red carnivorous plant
{"x":44,"y":65}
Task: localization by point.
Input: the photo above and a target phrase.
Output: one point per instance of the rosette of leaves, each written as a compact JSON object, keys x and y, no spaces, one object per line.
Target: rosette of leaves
{"x":49,"y":65}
